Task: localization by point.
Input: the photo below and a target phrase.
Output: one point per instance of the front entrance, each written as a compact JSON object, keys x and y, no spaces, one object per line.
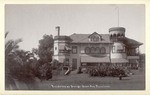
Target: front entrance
{"x":74,"y":64}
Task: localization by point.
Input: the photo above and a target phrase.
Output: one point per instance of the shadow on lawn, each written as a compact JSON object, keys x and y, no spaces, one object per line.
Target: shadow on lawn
{"x":124,"y":79}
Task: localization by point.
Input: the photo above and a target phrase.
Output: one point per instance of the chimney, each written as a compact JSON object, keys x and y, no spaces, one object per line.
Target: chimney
{"x":58,"y":30}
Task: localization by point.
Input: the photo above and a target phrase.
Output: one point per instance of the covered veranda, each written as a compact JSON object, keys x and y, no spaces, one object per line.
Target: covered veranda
{"x":94,"y":61}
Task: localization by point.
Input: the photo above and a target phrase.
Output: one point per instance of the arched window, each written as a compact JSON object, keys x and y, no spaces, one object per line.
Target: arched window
{"x":103,"y":50}
{"x":87,"y":50}
{"x":114,"y":35}
{"x":97,"y":50}
{"x":97,"y":38}
{"x":122,"y":35}
{"x":111,"y":35}
{"x":92,"y":50}
{"x":118,"y":35}
{"x":94,"y":38}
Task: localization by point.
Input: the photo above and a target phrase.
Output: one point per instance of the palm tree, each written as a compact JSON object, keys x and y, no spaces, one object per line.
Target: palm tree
{"x":10,"y":46}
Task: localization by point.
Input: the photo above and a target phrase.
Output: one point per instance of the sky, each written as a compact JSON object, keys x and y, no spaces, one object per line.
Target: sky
{"x":31,"y":22}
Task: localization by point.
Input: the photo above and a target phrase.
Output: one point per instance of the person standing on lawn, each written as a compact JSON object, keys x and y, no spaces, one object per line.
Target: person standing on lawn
{"x":120,"y":76}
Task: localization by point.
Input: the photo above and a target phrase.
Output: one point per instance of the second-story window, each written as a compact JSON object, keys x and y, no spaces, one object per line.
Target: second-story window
{"x":74,"y":49}
{"x":118,"y":49}
{"x":87,"y":50}
{"x":103,"y":50}
{"x":97,"y":50}
{"x":92,"y":50}
{"x":95,"y":38}
{"x":55,"y":48}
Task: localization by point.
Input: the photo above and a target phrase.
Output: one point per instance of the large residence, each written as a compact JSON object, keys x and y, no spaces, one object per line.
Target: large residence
{"x":83,"y":50}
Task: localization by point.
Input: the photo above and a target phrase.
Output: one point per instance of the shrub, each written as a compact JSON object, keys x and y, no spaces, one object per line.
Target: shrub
{"x":79,"y":70}
{"x":106,"y":71}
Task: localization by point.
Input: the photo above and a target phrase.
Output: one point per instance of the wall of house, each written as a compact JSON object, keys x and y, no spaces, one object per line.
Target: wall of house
{"x":81,"y":51}
{"x":55,"y":48}
{"x":115,"y":53}
{"x":75,"y":56}
{"x":58,"y":47}
{"x":83,"y":46}
{"x":59,"y":58}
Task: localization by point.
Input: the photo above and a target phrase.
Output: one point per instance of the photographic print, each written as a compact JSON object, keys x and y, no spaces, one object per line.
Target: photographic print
{"x":74,"y":47}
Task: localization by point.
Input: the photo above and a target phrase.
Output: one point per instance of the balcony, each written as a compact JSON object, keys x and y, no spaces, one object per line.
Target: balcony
{"x":133,"y":57}
{"x":132,"y":54}
{"x":64,"y":52}
{"x":95,"y":55}
{"x":132,"y":51}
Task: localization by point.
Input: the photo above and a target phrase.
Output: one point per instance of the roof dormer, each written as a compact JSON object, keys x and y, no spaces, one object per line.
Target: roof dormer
{"x":95,"y":37}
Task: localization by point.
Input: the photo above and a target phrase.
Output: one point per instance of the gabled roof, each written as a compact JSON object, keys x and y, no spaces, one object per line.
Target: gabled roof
{"x":84,"y":38}
{"x":95,"y":33}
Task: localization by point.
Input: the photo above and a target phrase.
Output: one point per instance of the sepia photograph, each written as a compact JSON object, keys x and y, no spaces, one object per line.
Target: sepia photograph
{"x":75,"y":47}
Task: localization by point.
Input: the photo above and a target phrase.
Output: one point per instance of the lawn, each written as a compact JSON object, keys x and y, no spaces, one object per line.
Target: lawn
{"x":83,"y":81}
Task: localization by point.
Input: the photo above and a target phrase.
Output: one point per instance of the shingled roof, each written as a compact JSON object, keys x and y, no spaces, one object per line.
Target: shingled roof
{"x":130,"y":42}
{"x":83,"y":38}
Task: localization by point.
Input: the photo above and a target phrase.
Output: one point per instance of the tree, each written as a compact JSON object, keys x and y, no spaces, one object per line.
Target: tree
{"x":45,"y":54}
{"x":19,"y":64}
{"x":45,"y":49}
{"x":10,"y":47}
{"x":25,"y":72}
{"x":11,"y":60}
{"x":35,"y":51}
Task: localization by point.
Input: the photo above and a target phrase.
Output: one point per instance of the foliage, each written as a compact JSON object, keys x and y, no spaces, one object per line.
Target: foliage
{"x":44,"y":71}
{"x":45,"y":49}
{"x":79,"y":71}
{"x":106,"y":71}
{"x":22,"y":65}
{"x":44,"y":52}
{"x":19,"y":64}
{"x":55,"y":64}
{"x":10,"y":46}
{"x":35,"y":51}
{"x":11,"y":61}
